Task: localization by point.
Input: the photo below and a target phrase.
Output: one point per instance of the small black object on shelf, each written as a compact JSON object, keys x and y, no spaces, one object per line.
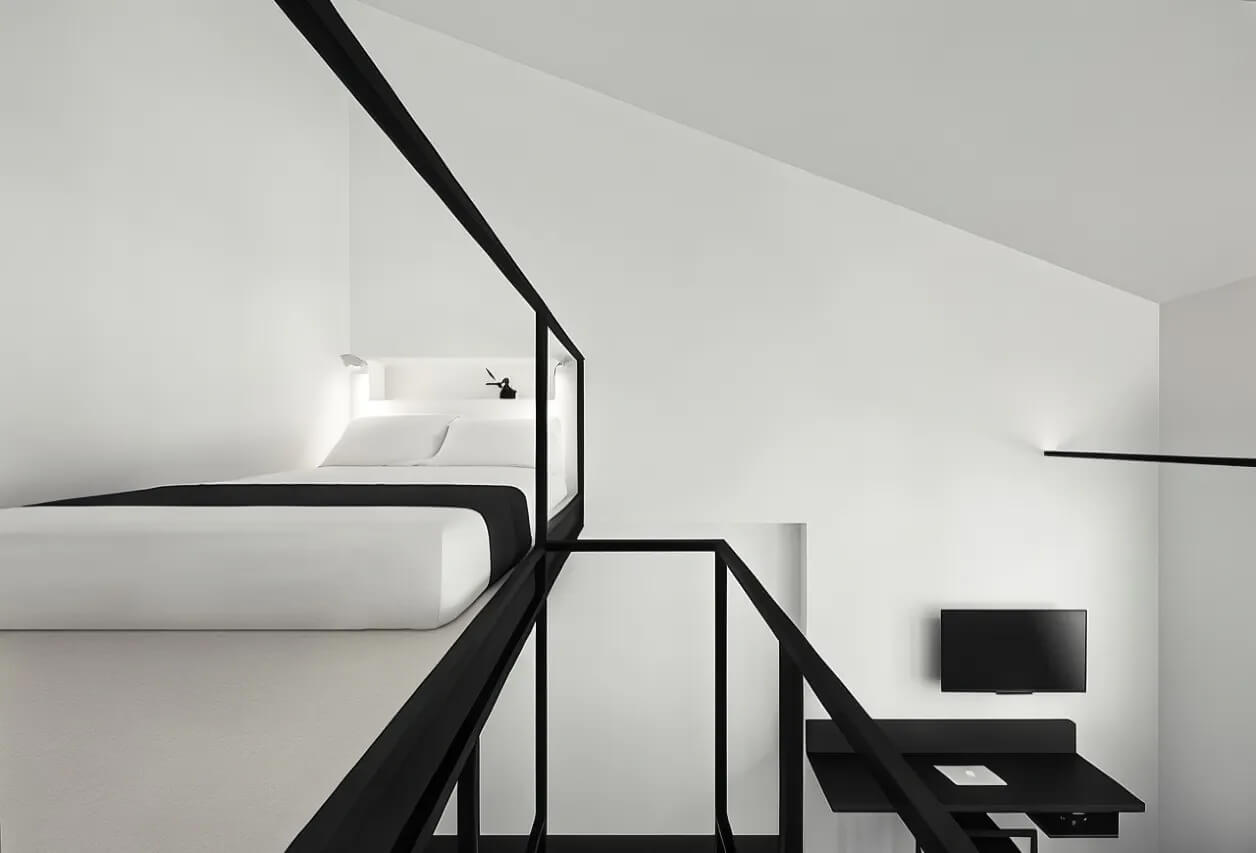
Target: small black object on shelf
{"x":507,"y":393}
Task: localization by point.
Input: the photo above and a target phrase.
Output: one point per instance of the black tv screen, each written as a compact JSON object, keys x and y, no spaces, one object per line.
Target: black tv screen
{"x":1014,"y":651}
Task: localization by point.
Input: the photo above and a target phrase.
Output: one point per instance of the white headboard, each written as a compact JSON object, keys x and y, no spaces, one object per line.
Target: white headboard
{"x":457,"y":386}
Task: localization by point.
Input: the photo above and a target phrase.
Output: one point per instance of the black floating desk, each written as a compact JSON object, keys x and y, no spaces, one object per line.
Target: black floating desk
{"x":1061,"y":792}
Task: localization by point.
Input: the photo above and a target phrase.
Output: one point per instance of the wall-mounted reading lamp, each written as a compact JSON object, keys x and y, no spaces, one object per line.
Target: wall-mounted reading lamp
{"x":359,"y":383}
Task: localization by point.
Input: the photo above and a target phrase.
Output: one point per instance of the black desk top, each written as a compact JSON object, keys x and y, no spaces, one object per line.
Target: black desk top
{"x":1035,"y":783}
{"x":1036,"y":758}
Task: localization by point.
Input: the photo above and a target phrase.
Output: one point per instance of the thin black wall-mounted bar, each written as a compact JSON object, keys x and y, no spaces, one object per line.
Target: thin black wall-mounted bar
{"x":1225,"y":461}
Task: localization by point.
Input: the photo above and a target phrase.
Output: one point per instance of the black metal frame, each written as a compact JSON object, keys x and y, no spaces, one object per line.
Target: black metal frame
{"x":391,"y":800}
{"x":934,"y":829}
{"x":331,"y":37}
{"x":393,"y":797}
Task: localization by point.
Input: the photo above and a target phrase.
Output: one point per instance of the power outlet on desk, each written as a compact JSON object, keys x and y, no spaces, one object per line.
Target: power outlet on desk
{"x":1077,"y":824}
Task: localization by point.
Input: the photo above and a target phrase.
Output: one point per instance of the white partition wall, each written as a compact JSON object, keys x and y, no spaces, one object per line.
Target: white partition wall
{"x":1207,"y":587}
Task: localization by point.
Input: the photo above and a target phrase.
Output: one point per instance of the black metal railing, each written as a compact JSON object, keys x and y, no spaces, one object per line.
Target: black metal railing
{"x":392,"y":798}
{"x":934,"y":829}
{"x":330,"y":36}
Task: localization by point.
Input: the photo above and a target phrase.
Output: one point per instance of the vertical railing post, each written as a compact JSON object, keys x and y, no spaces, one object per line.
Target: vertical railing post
{"x":722,"y":827}
{"x":540,"y":825}
{"x":540,"y":831}
{"x":580,"y":433}
{"x":791,"y":753}
{"x":541,"y":492}
{"x":469,"y":803}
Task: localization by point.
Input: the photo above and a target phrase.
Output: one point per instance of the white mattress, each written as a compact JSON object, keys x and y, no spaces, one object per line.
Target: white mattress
{"x":81,"y":568}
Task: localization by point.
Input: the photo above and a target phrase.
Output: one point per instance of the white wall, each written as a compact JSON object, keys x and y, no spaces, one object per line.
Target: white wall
{"x":444,"y":296}
{"x":173,"y":298}
{"x":1207,"y":588}
{"x":174,"y":279}
{"x":764,"y":345}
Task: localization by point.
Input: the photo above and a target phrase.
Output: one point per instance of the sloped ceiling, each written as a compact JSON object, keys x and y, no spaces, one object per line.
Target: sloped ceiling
{"x":1116,"y":138}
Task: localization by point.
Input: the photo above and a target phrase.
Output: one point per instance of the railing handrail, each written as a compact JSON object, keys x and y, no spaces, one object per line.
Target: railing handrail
{"x":394,"y":795}
{"x":380,"y":800}
{"x":933,"y":827}
{"x":396,"y":792}
{"x":929,"y":822}
{"x":331,"y":37}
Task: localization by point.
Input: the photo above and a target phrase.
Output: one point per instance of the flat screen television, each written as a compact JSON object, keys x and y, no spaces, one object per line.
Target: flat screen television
{"x":1014,"y":651}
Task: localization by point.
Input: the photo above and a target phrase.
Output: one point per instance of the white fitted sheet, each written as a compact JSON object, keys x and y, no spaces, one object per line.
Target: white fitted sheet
{"x":208,"y":568}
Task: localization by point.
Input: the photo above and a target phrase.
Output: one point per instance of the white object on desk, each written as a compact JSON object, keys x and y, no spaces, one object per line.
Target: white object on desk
{"x":969,"y":774}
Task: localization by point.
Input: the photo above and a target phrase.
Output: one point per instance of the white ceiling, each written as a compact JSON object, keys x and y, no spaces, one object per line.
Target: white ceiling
{"x":1116,"y":138}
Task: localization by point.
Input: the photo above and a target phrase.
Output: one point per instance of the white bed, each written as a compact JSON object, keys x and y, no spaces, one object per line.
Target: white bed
{"x":129,"y":567}
{"x":257,"y":567}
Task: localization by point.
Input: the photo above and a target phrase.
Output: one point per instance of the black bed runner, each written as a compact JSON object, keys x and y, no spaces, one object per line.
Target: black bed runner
{"x":503,"y":508}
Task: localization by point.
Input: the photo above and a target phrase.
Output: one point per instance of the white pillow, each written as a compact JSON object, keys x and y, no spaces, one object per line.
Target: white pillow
{"x":506,"y":442}
{"x":389,"y":440}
